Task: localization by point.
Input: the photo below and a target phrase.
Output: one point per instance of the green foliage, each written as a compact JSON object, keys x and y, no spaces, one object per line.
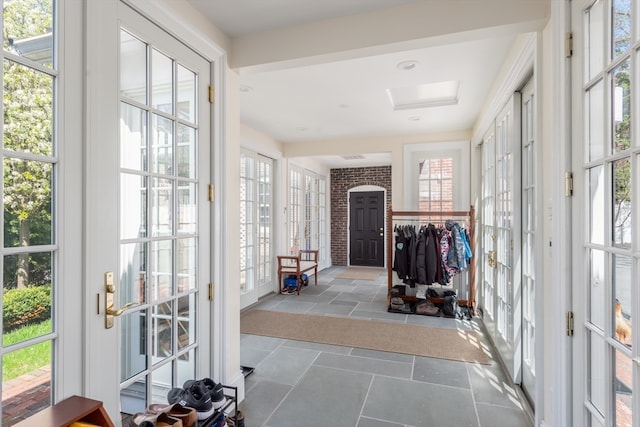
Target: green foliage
{"x":26,"y":305}
{"x":25,"y":18}
{"x":20,"y":362}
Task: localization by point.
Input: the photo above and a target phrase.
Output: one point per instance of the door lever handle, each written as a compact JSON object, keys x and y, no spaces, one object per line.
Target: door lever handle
{"x":109,"y":310}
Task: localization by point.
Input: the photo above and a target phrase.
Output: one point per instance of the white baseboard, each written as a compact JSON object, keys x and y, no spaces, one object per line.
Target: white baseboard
{"x":237,"y":381}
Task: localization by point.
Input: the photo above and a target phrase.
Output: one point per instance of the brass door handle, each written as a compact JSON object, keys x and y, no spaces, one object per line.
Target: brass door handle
{"x":492,"y":260}
{"x":109,"y":311}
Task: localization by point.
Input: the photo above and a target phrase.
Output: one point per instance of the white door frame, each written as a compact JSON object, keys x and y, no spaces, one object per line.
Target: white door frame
{"x":102,"y":81}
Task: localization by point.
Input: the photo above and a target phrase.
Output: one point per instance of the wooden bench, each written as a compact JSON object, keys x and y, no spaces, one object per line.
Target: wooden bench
{"x":292,"y":265}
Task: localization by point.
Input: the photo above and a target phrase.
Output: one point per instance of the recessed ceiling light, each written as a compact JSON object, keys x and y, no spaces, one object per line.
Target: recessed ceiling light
{"x":407,"y":65}
{"x":245,"y":88}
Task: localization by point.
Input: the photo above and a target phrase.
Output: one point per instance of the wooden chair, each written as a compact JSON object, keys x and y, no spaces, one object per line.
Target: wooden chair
{"x":296,"y":265}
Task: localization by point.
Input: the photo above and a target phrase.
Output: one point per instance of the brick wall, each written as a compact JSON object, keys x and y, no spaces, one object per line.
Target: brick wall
{"x":342,"y":180}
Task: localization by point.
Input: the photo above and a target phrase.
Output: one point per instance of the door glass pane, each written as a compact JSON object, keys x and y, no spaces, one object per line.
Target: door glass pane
{"x":186,"y":151}
{"x":621,"y":27}
{"x":162,"y":145}
{"x":187,"y":207}
{"x":186,"y":367}
{"x":133,"y":398}
{"x":596,"y":121}
{"x":161,"y":270}
{"x":133,"y":210}
{"x":133,"y":272}
{"x":27,"y":297}
{"x":186,"y":264}
{"x":186,"y":94}
{"x":161,"y":331}
{"x":161,"y":82}
{"x":186,"y":321}
{"x":26,"y":372}
{"x":623,"y":389}
{"x":597,"y":384}
{"x":596,"y":214}
{"x":594,"y":55}
{"x":28,"y":216}
{"x":597,"y":314}
{"x":133,"y":68}
{"x":622,"y":298}
{"x":621,"y":107}
{"x":133,"y":137}
{"x":133,"y":341}
{"x":622,"y":203}
{"x":162,"y":207}
{"x":28,"y":109}
{"x":35,"y":40}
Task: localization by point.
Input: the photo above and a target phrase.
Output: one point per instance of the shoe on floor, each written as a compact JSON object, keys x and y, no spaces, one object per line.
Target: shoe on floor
{"x":165,"y":420}
{"x":155,"y":419}
{"x":195,"y":396}
{"x":186,"y":414}
{"x":215,"y":391}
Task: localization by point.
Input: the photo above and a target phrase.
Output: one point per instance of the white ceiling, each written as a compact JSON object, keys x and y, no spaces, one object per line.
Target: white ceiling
{"x":348,"y":98}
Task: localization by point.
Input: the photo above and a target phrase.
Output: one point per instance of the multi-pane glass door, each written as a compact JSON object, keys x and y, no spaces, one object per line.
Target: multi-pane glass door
{"x":606,"y":68}
{"x":488,"y":264}
{"x":163,"y":158}
{"x":256,"y":226}
{"x":529,"y":252}
{"x":501,"y":239}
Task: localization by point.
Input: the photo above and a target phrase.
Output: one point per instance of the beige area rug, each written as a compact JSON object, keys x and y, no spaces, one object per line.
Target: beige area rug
{"x":417,"y":340}
{"x":361,"y":273}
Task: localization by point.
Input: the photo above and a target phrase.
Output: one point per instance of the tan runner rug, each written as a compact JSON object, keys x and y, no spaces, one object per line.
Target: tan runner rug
{"x":360,"y":273}
{"x":418,"y":340}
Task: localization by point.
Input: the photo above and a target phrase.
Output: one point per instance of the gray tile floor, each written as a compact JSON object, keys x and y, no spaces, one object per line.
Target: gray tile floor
{"x":303,"y":384}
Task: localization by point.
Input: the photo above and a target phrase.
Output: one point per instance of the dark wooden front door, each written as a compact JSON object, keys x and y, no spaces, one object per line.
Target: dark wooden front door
{"x":366,"y":230}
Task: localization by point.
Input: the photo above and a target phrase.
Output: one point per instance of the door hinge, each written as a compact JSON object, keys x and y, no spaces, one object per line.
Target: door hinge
{"x":568,"y":184}
{"x":211,"y":94}
{"x":211,"y":192}
{"x":210,"y":291}
{"x":569,"y":323}
{"x":568,"y":45}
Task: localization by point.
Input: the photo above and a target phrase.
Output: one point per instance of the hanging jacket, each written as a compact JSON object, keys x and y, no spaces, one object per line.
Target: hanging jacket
{"x":457,"y":258}
{"x":401,"y":258}
{"x":432,"y":259}
{"x":421,"y":257}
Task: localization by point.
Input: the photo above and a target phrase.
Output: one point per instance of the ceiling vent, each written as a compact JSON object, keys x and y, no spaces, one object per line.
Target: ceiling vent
{"x":353,"y":157}
{"x":425,"y":95}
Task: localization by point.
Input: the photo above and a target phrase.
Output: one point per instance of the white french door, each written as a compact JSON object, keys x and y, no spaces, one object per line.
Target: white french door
{"x":529,"y":251}
{"x":256,"y":227}
{"x":148,"y":218}
{"x":500,"y":231}
{"x":508,"y":229}
{"x":488,"y":262}
{"x":606,"y":66}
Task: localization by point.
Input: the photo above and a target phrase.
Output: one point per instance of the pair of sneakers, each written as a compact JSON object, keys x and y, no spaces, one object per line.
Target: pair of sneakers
{"x":204,"y":395}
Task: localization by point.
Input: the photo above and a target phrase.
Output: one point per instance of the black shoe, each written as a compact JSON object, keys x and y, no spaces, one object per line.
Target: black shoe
{"x":195,"y":396}
{"x":215,"y":391}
